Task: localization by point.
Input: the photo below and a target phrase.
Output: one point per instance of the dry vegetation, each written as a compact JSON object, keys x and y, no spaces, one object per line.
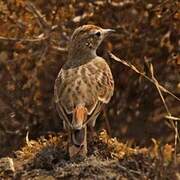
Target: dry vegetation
{"x":144,"y":110}
{"x":107,"y":159}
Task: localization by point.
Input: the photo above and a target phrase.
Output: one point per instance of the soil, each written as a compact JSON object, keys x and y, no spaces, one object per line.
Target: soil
{"x":107,"y":158}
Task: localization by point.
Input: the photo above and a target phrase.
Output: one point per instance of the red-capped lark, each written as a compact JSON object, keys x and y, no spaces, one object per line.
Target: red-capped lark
{"x":83,"y":86}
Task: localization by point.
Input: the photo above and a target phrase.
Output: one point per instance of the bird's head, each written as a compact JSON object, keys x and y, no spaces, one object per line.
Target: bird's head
{"x":87,"y":38}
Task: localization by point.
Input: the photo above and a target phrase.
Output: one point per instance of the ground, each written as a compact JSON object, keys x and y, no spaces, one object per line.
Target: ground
{"x":107,"y":158}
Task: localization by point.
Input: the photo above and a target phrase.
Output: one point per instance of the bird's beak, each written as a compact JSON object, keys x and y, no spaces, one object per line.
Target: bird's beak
{"x":107,"y":32}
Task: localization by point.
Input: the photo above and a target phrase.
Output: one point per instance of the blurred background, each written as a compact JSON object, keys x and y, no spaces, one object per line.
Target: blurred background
{"x":146,"y":31}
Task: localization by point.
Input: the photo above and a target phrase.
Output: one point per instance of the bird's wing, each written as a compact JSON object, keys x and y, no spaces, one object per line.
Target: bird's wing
{"x":92,"y":117}
{"x":90,"y":85}
{"x":102,"y":83}
{"x":105,"y":83}
{"x":60,"y":109}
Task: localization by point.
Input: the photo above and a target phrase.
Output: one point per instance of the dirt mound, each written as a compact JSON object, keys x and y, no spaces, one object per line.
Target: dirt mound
{"x":108,"y":158}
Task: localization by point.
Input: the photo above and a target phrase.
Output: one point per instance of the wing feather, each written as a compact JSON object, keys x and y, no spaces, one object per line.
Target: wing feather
{"x":87,"y":84}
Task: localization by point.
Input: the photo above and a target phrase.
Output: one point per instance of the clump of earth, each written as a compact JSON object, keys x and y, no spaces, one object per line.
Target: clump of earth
{"x":46,"y":158}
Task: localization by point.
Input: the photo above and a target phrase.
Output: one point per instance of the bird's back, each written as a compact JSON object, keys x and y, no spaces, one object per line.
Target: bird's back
{"x":85,"y":84}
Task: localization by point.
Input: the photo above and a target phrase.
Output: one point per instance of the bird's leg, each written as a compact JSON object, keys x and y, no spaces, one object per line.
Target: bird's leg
{"x":65,"y":125}
{"x":92,"y":133}
{"x":92,"y":120}
{"x":107,"y":121}
{"x":91,"y":125}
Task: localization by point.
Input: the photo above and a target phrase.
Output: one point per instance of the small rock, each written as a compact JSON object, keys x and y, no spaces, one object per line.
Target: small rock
{"x":6,"y":165}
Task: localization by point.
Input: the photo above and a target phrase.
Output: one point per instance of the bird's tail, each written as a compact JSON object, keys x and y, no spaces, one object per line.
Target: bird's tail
{"x":79,"y":132}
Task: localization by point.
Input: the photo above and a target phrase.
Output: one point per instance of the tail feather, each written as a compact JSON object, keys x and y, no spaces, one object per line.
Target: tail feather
{"x":78,"y":137}
{"x":79,"y":132}
{"x":78,"y":143}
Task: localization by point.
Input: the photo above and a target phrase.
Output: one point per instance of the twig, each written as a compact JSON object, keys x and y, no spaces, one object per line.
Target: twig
{"x":153,"y":80}
{"x":39,"y":39}
{"x":55,"y":11}
{"x":59,"y":49}
{"x":46,"y":28}
{"x":174,"y":124}
{"x":27,"y":139}
{"x":176,"y":138}
{"x":156,"y":83}
{"x":36,"y":40}
{"x":41,"y":20}
{"x":172,"y":118}
{"x":159,"y":88}
{"x":112,"y":56}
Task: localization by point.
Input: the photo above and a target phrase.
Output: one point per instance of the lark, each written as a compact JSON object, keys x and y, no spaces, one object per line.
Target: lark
{"x":84,"y":84}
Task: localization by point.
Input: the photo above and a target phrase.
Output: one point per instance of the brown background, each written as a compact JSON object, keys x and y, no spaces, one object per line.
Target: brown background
{"x":145,"y":30}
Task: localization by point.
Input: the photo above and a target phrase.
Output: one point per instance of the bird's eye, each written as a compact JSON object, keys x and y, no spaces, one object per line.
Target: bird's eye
{"x":98,"y":33}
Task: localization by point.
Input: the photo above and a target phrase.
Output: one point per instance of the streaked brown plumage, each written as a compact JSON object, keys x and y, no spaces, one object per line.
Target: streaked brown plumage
{"x":83,"y":85}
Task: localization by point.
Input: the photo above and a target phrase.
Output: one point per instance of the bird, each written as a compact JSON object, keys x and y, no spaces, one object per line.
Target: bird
{"x":83,"y":86}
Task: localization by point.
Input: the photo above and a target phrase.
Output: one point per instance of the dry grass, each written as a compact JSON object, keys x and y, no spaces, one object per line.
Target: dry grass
{"x":107,"y":158}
